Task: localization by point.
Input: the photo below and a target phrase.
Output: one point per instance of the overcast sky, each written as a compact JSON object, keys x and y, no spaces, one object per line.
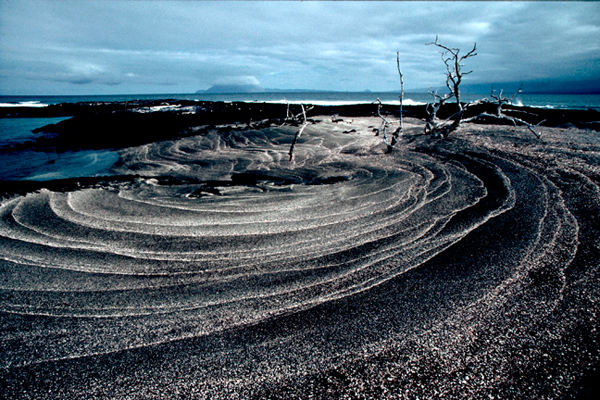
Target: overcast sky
{"x":114,"y":47}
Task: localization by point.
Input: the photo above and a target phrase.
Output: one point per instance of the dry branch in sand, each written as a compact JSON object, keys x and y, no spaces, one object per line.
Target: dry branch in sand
{"x":500,"y":101}
{"x":302,"y":126}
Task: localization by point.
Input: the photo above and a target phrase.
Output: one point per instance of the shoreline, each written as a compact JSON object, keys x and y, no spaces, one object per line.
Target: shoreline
{"x":133,"y":123}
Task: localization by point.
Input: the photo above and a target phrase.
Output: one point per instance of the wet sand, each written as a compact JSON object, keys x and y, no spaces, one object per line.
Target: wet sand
{"x":457,"y":268}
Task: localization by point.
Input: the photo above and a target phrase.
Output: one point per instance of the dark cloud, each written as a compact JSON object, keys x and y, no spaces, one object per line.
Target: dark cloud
{"x":151,"y":46}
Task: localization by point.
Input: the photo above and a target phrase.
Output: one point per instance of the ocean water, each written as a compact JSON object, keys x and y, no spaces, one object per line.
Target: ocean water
{"x":37,"y":165}
{"x":34,"y":165}
{"x":559,"y":101}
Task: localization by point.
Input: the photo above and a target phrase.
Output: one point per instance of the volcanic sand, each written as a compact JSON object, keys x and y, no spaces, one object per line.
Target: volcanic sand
{"x":465,"y":267}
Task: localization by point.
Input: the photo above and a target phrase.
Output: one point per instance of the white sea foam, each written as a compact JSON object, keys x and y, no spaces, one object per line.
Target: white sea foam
{"x":166,"y":107}
{"x":406,"y":102}
{"x":24,"y":104}
{"x":409,"y":102}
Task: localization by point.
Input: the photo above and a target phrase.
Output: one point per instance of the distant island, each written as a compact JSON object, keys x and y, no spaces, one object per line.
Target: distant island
{"x":251,"y":88}
{"x":233,"y":89}
{"x":530,"y":87}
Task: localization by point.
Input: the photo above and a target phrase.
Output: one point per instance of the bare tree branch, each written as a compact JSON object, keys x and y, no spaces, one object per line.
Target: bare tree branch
{"x":432,"y":122}
{"x":400,"y":130}
{"x":538,"y":134}
{"x":454,"y":74}
{"x":500,"y":101}
{"x":297,"y":135}
{"x":292,"y":119}
{"x":384,"y":123}
{"x":288,"y":114}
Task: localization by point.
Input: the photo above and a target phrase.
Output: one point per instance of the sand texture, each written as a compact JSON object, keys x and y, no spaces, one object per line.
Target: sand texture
{"x":457,"y":268}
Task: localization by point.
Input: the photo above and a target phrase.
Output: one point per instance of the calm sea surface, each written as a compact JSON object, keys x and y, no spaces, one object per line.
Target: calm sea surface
{"x":44,"y":166}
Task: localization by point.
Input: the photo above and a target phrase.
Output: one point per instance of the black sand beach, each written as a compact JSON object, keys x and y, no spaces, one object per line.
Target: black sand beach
{"x":212,"y":267}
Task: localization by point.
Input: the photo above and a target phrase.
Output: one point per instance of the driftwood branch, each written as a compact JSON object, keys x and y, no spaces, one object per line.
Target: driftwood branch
{"x":499,"y":101}
{"x":514,"y":120}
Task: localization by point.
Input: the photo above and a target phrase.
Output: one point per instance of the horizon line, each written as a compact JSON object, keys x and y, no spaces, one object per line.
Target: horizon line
{"x":296,"y":91}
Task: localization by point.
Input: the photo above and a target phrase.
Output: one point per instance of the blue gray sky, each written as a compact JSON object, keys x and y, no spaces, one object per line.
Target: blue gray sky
{"x":115,"y":47}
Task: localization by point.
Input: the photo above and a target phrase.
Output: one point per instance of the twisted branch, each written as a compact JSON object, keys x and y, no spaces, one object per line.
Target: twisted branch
{"x":454,"y":74}
{"x":500,"y":101}
{"x":432,"y":123}
{"x":384,"y":123}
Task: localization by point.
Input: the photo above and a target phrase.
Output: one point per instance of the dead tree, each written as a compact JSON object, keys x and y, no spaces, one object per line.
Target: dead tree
{"x":500,"y":101}
{"x":454,"y":74}
{"x":384,"y":122}
{"x":400,"y":129}
{"x":432,"y":122}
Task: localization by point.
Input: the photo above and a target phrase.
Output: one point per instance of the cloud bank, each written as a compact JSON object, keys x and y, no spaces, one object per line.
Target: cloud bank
{"x":49,"y":47}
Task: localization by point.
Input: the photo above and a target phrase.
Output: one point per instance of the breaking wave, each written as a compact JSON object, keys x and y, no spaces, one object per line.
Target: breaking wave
{"x":24,"y":104}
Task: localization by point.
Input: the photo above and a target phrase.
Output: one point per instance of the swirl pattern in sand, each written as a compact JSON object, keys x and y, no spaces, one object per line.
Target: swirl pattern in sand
{"x":225,"y":269}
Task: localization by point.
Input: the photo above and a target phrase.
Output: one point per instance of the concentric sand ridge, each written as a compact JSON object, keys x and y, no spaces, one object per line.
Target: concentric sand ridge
{"x":266,"y":283}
